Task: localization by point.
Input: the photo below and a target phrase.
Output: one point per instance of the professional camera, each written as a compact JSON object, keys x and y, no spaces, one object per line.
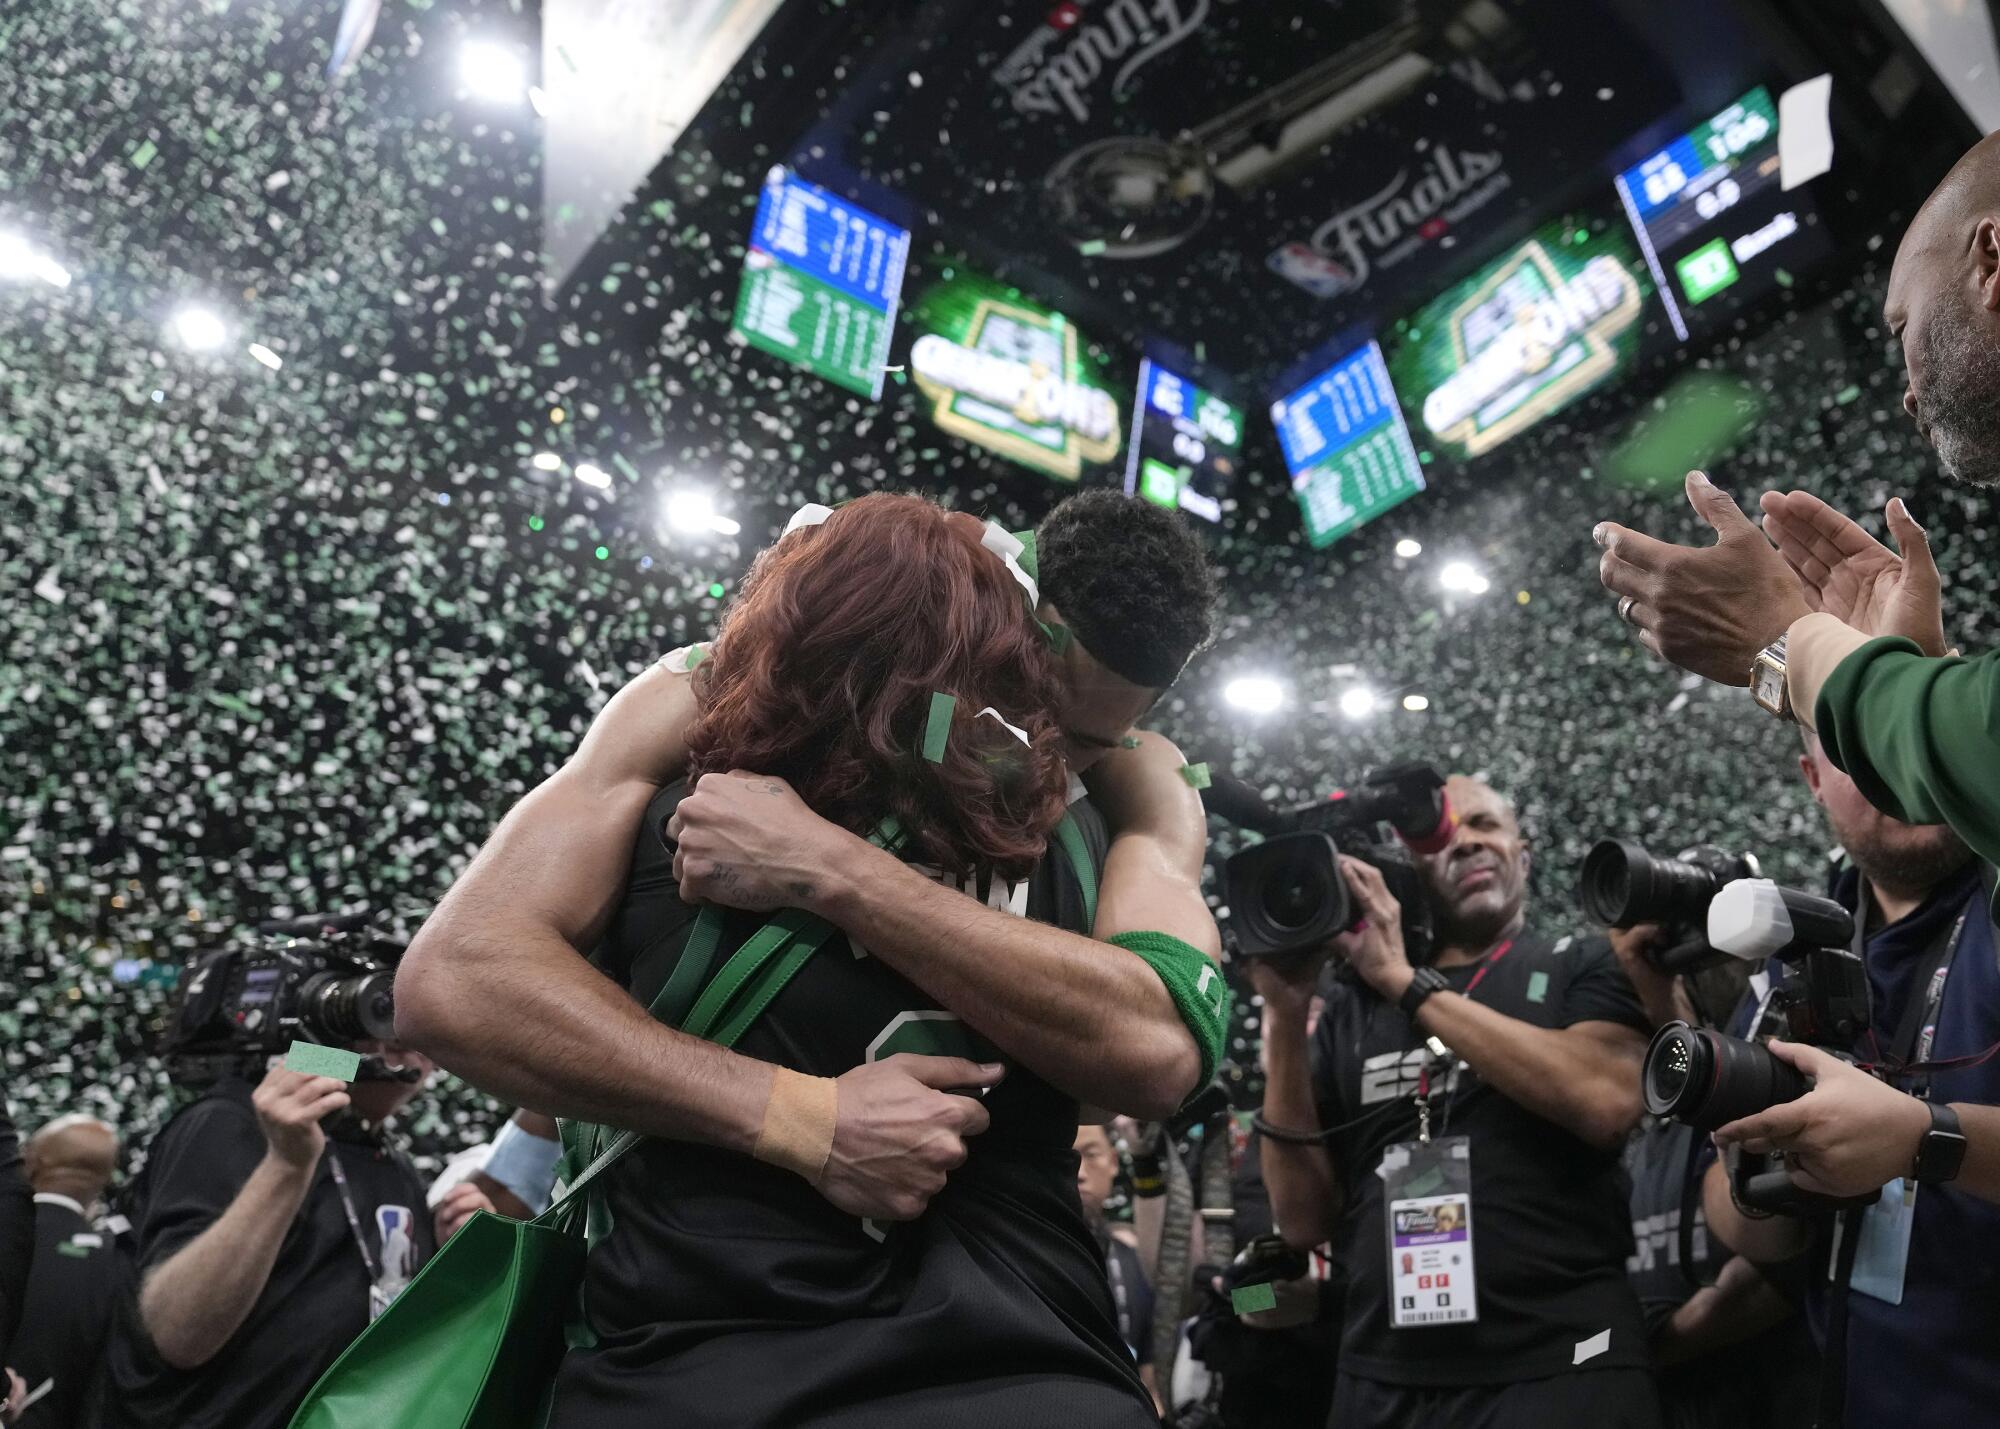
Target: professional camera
{"x":1624,"y":886}
{"x":1708,"y":1079}
{"x":313,"y":979}
{"x":1286,"y":895}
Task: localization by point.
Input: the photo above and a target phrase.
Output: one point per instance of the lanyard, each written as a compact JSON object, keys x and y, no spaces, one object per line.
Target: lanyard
{"x":353,"y":1220}
{"x":1423,"y":1097}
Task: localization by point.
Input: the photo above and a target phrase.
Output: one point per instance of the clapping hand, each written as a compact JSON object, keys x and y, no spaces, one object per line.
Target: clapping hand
{"x":1848,"y":573}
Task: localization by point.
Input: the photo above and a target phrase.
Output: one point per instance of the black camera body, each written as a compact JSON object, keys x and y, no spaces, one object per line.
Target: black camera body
{"x":1624,"y":886}
{"x":1708,"y":1079}
{"x":1287,"y":895}
{"x":314,"y":980}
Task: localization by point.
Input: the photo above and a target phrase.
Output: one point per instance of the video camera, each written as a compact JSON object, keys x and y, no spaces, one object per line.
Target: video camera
{"x":1287,"y":895}
{"x":1624,"y":886}
{"x":1708,"y":1079}
{"x":313,"y":979}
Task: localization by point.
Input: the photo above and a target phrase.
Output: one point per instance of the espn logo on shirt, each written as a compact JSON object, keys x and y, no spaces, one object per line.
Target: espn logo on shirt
{"x":1390,"y":1075}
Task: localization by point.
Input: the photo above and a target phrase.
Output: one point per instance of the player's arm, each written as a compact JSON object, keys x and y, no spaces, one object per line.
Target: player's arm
{"x":495,"y":987}
{"x":1100,"y":1023}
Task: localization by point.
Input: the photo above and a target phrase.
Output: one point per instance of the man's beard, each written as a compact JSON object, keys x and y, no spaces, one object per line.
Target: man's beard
{"x":1960,"y":405}
{"x":1910,"y":869}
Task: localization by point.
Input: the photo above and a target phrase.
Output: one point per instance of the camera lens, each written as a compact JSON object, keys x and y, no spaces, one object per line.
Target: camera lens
{"x":1623,"y":885}
{"x":1296,"y":895}
{"x":351,"y":1007}
{"x":1707,"y":1080}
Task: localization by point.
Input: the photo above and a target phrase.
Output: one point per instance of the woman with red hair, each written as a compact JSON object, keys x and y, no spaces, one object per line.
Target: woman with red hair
{"x":732,"y":1289}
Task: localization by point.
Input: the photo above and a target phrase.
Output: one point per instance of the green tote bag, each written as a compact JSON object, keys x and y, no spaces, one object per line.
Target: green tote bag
{"x":473,"y":1342}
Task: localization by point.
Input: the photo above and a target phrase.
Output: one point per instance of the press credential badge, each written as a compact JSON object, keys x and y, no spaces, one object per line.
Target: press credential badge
{"x":1428,"y":1190}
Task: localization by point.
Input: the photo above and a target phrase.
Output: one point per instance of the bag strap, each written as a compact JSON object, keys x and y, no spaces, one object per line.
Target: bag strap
{"x":750,"y":971}
{"x":1070,"y":835}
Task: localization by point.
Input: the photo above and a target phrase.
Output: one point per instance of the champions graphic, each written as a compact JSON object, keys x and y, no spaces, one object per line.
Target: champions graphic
{"x":1013,"y":379}
{"x":1522,"y":339}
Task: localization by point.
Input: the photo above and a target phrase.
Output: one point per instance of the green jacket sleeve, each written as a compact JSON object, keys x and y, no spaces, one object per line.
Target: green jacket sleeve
{"x":1920,"y":737}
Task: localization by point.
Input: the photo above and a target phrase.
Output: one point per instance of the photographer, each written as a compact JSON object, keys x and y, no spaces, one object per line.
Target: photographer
{"x":1917,"y":1311}
{"x":273,"y":1222}
{"x":1516,"y":1052}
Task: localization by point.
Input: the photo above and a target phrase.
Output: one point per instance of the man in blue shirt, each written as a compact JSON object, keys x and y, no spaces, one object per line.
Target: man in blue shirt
{"x":1918,"y":1321}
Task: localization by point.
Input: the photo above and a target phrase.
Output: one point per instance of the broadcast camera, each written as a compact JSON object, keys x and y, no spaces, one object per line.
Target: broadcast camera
{"x":1708,"y":1079}
{"x":1286,"y":895}
{"x":1624,"y":886}
{"x":314,"y":979}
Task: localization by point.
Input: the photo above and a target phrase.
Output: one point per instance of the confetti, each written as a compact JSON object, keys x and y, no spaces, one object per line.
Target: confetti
{"x":1249,"y":1299}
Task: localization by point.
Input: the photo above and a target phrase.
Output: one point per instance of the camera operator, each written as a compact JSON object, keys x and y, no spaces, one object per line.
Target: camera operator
{"x":273,"y":1223}
{"x":1515,"y":1051}
{"x":1917,"y":1310}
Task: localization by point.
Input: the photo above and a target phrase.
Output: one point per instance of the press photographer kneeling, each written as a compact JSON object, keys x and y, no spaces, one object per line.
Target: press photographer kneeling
{"x":1900,"y":1291}
{"x":1454,"y":1128}
{"x":275,"y":1215}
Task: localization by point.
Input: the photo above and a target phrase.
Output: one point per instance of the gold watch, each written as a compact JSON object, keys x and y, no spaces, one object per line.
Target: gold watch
{"x":1767,"y":679}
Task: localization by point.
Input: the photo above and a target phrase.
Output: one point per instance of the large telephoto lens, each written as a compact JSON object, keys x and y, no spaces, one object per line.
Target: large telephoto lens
{"x":1701,"y":1077}
{"x":349,"y":1007}
{"x":1286,"y":894}
{"x":1623,"y":885}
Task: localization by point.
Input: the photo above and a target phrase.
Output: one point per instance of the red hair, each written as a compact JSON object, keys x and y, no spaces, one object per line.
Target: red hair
{"x":825,"y":666}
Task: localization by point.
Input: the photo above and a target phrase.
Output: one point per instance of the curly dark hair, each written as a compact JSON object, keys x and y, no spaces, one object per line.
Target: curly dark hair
{"x":824,"y":668}
{"x":1132,"y":582}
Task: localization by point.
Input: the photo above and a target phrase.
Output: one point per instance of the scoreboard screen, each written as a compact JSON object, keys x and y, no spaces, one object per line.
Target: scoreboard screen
{"x":1346,"y":446}
{"x":1717,"y":227}
{"x":1188,"y":444}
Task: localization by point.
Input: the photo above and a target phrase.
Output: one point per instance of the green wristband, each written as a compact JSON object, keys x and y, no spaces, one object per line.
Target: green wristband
{"x":1196,"y":986}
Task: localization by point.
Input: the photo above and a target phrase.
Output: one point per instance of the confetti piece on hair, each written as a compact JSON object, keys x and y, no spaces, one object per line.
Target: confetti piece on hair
{"x":1196,"y":775}
{"x":1248,"y":1299}
{"x":317,"y":1061}
{"x":937,"y":727}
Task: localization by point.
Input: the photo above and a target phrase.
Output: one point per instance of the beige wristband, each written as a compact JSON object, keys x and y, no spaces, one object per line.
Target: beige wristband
{"x":798,"y":1123}
{"x":1814,"y":648}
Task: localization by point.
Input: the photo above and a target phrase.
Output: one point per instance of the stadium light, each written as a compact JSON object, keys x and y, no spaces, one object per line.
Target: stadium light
{"x":1409,"y":549}
{"x":492,"y":70}
{"x":694,"y":511}
{"x":1464,"y":578}
{"x":199,"y":329}
{"x":1358,"y":702}
{"x":1257,"y":694}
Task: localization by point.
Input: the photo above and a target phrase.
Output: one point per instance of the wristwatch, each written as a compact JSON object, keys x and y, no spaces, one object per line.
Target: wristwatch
{"x":1426,"y":982}
{"x":1767,"y":680}
{"x":1942,"y":1151}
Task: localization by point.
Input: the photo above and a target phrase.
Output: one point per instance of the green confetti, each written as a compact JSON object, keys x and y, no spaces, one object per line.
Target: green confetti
{"x":1249,"y":1299}
{"x":144,"y":154}
{"x":1196,"y":775}
{"x":937,"y":725}
{"x":317,"y":1061}
{"x":1847,"y":394}
{"x":716,"y":591}
{"x":1090,"y":248}
{"x":1538,"y":986}
{"x":1129,"y":742}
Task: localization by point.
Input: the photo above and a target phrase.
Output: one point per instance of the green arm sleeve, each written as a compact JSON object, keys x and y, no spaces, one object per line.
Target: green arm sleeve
{"x":1196,"y":986}
{"x":1920,"y":737}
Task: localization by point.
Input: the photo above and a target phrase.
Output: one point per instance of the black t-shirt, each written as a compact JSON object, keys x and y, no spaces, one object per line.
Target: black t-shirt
{"x":313,"y":1304}
{"x":17,"y":1230}
{"x":1550,"y":1229}
{"x":76,"y":1284}
{"x":731,"y":1293}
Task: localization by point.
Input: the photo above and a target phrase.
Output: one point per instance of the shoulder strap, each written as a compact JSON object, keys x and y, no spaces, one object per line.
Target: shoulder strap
{"x":693,"y":1002}
{"x":1070,"y":836}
